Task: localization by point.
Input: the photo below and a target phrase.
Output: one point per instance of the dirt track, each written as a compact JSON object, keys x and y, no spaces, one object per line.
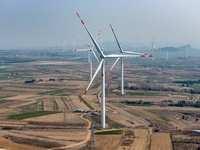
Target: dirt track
{"x":80,"y":144}
{"x":140,"y":141}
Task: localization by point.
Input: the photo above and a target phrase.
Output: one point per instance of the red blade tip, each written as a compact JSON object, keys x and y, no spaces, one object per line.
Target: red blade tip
{"x":77,"y":14}
{"x":82,"y":22}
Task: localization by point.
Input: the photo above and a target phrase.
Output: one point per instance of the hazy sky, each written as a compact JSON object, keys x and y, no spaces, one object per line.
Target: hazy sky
{"x":38,"y":23}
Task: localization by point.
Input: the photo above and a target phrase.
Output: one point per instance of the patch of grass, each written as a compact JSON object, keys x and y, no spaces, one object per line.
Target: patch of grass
{"x":196,"y":87}
{"x":164,"y":118}
{"x":25,"y":115}
{"x":144,"y":105}
{"x":136,"y":93}
{"x":5,"y":101}
{"x":87,"y":104}
{"x":109,"y":132}
{"x":132,"y":113}
{"x":148,"y":93}
{"x":30,"y":107}
{"x":58,"y":92}
{"x":4,"y":96}
{"x":120,"y":105}
{"x":95,"y":86}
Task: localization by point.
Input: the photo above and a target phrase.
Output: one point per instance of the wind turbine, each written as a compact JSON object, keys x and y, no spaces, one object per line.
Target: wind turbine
{"x":122,"y":62}
{"x":153,"y":47}
{"x":102,"y":67}
{"x":73,"y":36}
{"x":187,"y":48}
{"x":90,"y":52}
{"x":167,"y":52}
{"x":63,"y":41}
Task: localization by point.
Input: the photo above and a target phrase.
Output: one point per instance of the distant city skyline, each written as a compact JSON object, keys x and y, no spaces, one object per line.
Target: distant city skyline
{"x":47,"y":23}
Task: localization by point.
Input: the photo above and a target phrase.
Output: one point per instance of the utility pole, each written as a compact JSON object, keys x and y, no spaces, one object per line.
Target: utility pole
{"x":64,"y":118}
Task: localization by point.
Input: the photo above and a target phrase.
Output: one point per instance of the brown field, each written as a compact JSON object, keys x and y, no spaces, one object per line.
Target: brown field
{"x":144,"y":127}
{"x":6,"y":144}
{"x":161,"y":141}
{"x":105,"y":142}
{"x":140,"y":140}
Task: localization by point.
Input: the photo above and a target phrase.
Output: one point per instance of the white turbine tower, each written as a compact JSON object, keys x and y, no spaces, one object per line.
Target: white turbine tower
{"x":153,"y":47}
{"x":63,"y":41}
{"x":122,"y":62}
{"x":187,"y":49}
{"x":90,"y":52}
{"x":102,"y":67}
{"x":73,"y":36}
{"x":167,"y":52}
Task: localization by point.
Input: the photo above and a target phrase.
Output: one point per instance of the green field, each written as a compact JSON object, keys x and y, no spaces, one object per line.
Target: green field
{"x":144,"y":105}
{"x":5,"y":101}
{"x":196,"y":87}
{"x":109,"y":132}
{"x":148,"y":93}
{"x":164,"y":118}
{"x":59,"y":92}
{"x":132,"y":113}
{"x":95,"y":86}
{"x":26,"y":115}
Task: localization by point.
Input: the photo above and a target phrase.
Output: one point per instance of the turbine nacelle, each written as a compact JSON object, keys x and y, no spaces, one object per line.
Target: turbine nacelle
{"x":150,"y":55}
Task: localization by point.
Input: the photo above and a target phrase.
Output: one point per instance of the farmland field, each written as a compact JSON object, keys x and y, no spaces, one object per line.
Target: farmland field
{"x":40,"y":114}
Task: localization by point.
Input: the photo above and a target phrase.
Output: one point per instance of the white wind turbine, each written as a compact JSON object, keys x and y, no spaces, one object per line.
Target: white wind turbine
{"x":122,"y":62}
{"x":167,"y":52}
{"x":74,"y":42}
{"x":90,"y":52}
{"x":187,"y":48}
{"x":153,"y":47}
{"x":102,"y":67}
{"x":63,"y":41}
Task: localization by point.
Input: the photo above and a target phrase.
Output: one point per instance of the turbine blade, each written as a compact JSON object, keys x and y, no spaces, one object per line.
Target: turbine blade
{"x":121,"y":50}
{"x":98,"y":36}
{"x":92,"y":38}
{"x":155,"y":47}
{"x":130,"y":52}
{"x":153,"y":42}
{"x":80,"y":50}
{"x":119,"y":55}
{"x":84,"y":43}
{"x":113,"y":65}
{"x":97,"y":70}
{"x":95,"y":56}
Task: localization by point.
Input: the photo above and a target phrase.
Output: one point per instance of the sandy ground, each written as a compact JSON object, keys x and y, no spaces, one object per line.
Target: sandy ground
{"x":21,"y":97}
{"x":6,"y":144}
{"x":121,"y":116}
{"x":76,"y":101}
{"x":107,"y":142}
{"x":161,"y":141}
{"x":63,"y":135}
{"x":82,"y":143}
{"x":70,"y":117}
{"x":92,"y":100}
{"x":141,"y":138}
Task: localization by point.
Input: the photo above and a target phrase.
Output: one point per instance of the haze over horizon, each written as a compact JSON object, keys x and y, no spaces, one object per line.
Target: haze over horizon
{"x":48,"y":22}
